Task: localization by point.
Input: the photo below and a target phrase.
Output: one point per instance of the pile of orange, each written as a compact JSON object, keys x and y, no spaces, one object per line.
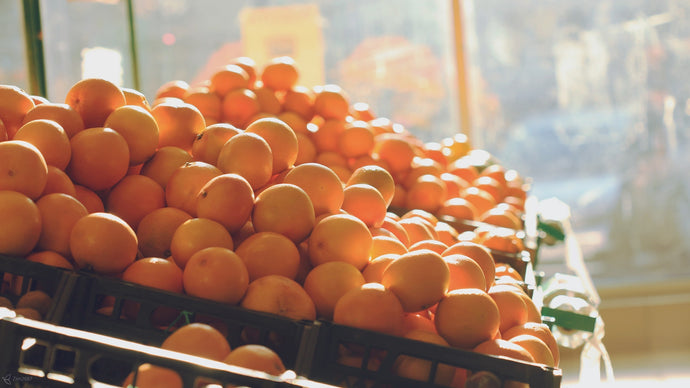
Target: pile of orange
{"x":252,"y":190}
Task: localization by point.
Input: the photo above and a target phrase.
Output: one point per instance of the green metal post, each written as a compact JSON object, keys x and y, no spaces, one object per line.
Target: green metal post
{"x":133,"y":45}
{"x":33,"y":37}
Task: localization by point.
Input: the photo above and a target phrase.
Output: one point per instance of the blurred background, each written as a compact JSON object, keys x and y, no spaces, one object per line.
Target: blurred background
{"x":589,"y":99}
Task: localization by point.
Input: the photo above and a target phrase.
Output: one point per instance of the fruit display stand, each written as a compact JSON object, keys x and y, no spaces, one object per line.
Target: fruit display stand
{"x":378,"y":353}
{"x":41,"y":354}
{"x":21,"y":276}
{"x":241,"y":326}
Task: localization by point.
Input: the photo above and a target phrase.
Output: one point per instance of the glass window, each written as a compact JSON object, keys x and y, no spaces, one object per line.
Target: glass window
{"x":396,"y":56}
{"x":13,"y":67}
{"x":589,"y":99}
{"x":85,"y":39}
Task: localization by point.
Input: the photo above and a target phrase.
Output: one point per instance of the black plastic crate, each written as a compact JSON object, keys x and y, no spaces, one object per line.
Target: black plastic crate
{"x":31,"y":348}
{"x":19,"y":276}
{"x":333,"y":338}
{"x":241,"y":326}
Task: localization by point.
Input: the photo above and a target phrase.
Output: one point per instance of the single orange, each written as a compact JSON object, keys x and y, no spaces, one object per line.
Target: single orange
{"x":89,"y":199}
{"x":239,"y":106}
{"x":134,"y":197}
{"x":58,"y":182}
{"x":249,"y":155}
{"x":268,"y":100}
{"x":50,"y":138}
{"x":269,"y":253}
{"x":103,"y":242}
{"x":228,"y":78}
{"x":464,"y":273}
{"x":59,"y":213}
{"x":100,"y":158}
{"x":256,"y":357}
{"x":286,"y":209}
{"x":15,"y":103}
{"x":139,"y":129}
{"x":331,"y":102}
{"x":364,"y":202}
{"x":136,"y":98}
{"x":185,"y":183}
{"x":370,"y":307}
{"x":20,"y":229}
{"x":300,"y":100}
{"x":326,"y":135}
{"x":207,"y":143}
{"x":155,"y":272}
{"x":340,"y":237}
{"x":279,"y":295}
{"x":198,"y":339}
{"x":178,"y":123}
{"x":216,"y":273}
{"x":478,"y":253}
{"x":376,"y":176}
{"x":281,"y":138}
{"x":322,"y":185}
{"x":94,"y":99}
{"x":460,"y":329}
{"x":418,"y":278}
{"x":280,"y":73}
{"x":357,"y":139}
{"x":328,"y":282}
{"x":22,"y":168}
{"x":164,"y":163}
{"x":227,"y":199}
{"x":196,"y":234}
{"x":173,"y":88}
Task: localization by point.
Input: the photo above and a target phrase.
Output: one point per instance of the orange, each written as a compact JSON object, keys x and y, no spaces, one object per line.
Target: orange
{"x":207,"y":143}
{"x":460,"y":329}
{"x":370,"y":307}
{"x":198,"y":339}
{"x":418,"y":278}
{"x":536,"y":348}
{"x":340,"y":237}
{"x":491,"y":186}
{"x":38,"y":100}
{"x":399,"y":200}
{"x":434,"y":150}
{"x":328,"y":282}
{"x":366,"y":160}
{"x":15,"y":103}
{"x":501,"y":347}
{"x":418,"y":321}
{"x":424,"y":214}
{"x":94,"y":99}
{"x":478,"y":253}
{"x":533,"y":313}
{"x":501,"y":216}
{"x":103,"y":242}
{"x":155,"y":272}
{"x":22,"y":168}
{"x":300,"y":100}
{"x":332,"y":159}
{"x":501,"y":239}
{"x":58,"y":182}
{"x":256,"y":357}
{"x":480,"y":198}
{"x":227,"y":78}
{"x":381,"y":124}
{"x":50,"y":138}
{"x":294,"y":121}
{"x":280,"y":73}
{"x":331,"y":102}
{"x":376,"y":176}
{"x":281,"y":138}
{"x":497,"y":172}
{"x":3,"y":132}
{"x":174,"y":88}
{"x":248,"y":65}
{"x":539,"y":330}
{"x":503,"y":269}
{"x":510,"y":305}
{"x":454,"y":185}
{"x":286,"y":209}
{"x":227,"y":199}
{"x":178,"y":123}
{"x":239,"y":106}
{"x":50,"y":258}
{"x":268,"y":101}
{"x":164,"y":163}
{"x":456,"y":146}
{"x":196,"y":234}
{"x":432,"y":245}
{"x":185,"y":183}
{"x":356,"y":140}
{"x":155,"y":230}
{"x":418,"y":229}
{"x":396,"y":151}
{"x":269,"y":253}
{"x":89,"y":199}
{"x":276,"y":294}
{"x":306,"y":150}
{"x":373,"y":272}
{"x":463,"y":169}
{"x":458,"y":208}
{"x":420,"y":369}
{"x":399,"y":231}
{"x":216,"y":273}
{"x":136,"y":98}
{"x":364,"y":202}
{"x":248,"y":155}
{"x":20,"y":229}
{"x":326,"y":135}
{"x":382,"y":245}
{"x":422,"y":166}
{"x":447,"y":234}
{"x":139,"y":129}
{"x":362,"y":111}
{"x":59,"y":213}
{"x":464,"y":272}
{"x":154,"y":376}
{"x":100,"y":158}
{"x":134,"y":197}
